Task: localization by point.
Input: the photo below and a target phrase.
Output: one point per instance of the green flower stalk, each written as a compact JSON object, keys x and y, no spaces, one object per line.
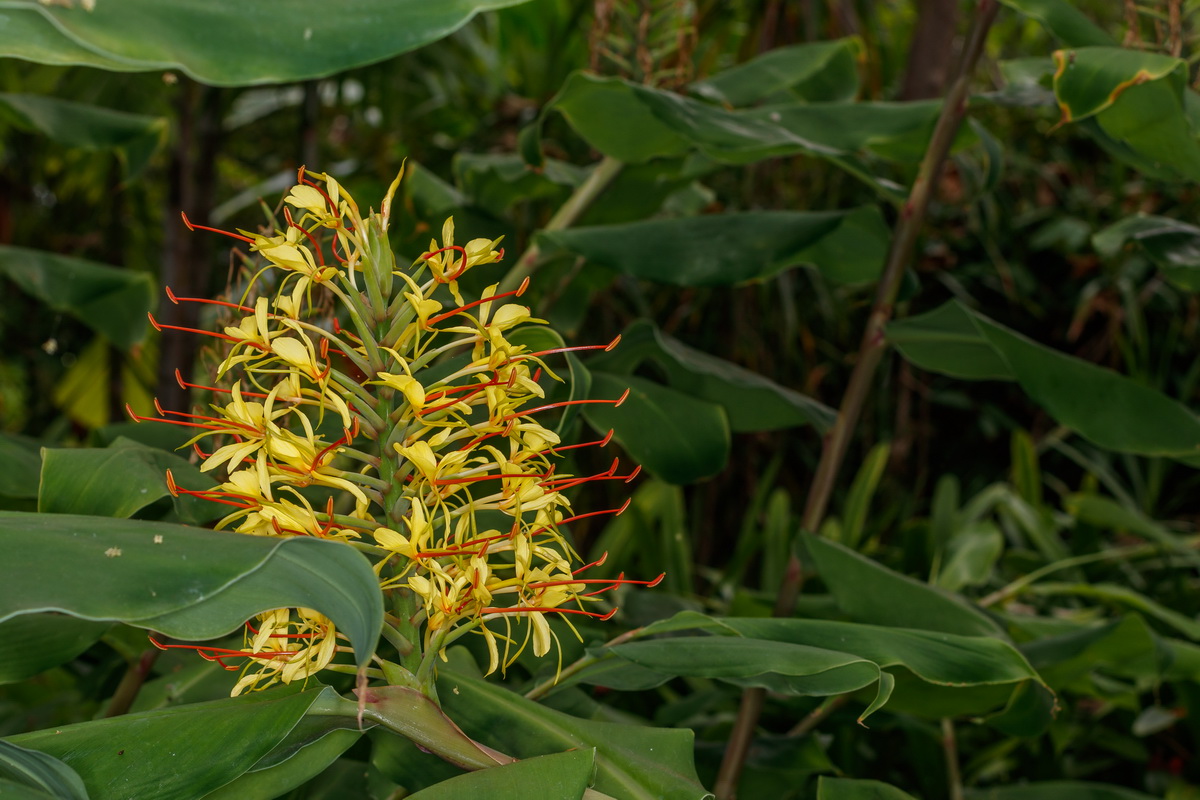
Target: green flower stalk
{"x":440,"y":470}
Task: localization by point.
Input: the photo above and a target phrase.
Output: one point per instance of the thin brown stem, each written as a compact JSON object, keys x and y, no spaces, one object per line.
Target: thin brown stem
{"x":871,"y":350}
{"x":131,"y":683}
{"x":954,"y":782}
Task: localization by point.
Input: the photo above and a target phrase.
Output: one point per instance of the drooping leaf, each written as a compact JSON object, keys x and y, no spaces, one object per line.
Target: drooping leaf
{"x":188,"y":583}
{"x":728,"y":249}
{"x":33,"y":643}
{"x":558,"y":775}
{"x":1063,"y":20}
{"x":1105,"y":407}
{"x":110,"y":301}
{"x":30,"y":773}
{"x":1088,"y":80}
{"x":178,"y":753}
{"x":751,"y":401}
{"x":227,"y":43}
{"x":119,"y":481}
{"x":815,"y":71}
{"x":632,"y":762}
{"x":870,"y":592}
{"x":1173,"y":246}
{"x":135,"y":137}
{"x":674,"y":436}
{"x":1124,"y":647}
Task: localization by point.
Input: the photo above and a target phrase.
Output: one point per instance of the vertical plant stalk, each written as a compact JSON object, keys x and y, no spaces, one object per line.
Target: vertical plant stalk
{"x":954,"y":784}
{"x":595,"y":183}
{"x":131,"y":683}
{"x":870,"y":352}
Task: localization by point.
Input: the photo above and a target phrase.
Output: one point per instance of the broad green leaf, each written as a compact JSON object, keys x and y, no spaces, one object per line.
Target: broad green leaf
{"x":870,"y":592}
{"x":857,"y":789}
{"x":1064,"y":20}
{"x":559,"y":775}
{"x":20,"y":464}
{"x":230,"y":43}
{"x":38,"y":774}
{"x":634,"y":123}
{"x":307,"y":750}
{"x":632,"y":762}
{"x":674,"y":436}
{"x":728,"y":249}
{"x":110,"y":301}
{"x":1091,"y":79}
{"x":781,"y":667}
{"x":119,"y":481}
{"x":751,"y":401}
{"x":1113,"y":594}
{"x":1125,"y":647}
{"x":406,"y":764}
{"x":135,"y":137}
{"x":1105,"y":407}
{"x":814,"y":72}
{"x":1173,"y":246}
{"x":1057,"y":790}
{"x":188,"y":583}
{"x":33,"y":643}
{"x":497,"y":181}
{"x":947,"y":340}
{"x":1135,"y":104}
{"x":178,"y":753}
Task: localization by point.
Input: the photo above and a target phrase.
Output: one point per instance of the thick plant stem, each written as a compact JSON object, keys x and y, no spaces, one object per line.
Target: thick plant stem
{"x":871,"y":350}
{"x":595,"y":183}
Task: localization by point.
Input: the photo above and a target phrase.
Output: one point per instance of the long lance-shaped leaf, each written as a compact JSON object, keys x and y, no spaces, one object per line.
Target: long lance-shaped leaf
{"x":108,"y":300}
{"x":227,"y":42}
{"x":188,"y":583}
{"x":564,"y":775}
{"x":177,"y":753}
{"x":1103,"y":406}
{"x":632,"y":762}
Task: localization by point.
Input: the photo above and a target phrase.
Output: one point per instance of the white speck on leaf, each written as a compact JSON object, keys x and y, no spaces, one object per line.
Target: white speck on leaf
{"x":307,"y":34}
{"x":158,"y":538}
{"x":112,"y":552}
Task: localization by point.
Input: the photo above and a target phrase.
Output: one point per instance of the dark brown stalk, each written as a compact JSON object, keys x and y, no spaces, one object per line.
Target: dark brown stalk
{"x":871,"y":350}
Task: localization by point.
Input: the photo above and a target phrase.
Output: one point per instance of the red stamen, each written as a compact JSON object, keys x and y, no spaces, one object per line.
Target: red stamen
{"x":605,"y":347}
{"x":177,"y":300}
{"x":544,"y":610}
{"x":595,"y":563}
{"x":191,"y":226}
{"x":598,"y":443}
{"x":516,"y":414}
{"x":517,"y":292}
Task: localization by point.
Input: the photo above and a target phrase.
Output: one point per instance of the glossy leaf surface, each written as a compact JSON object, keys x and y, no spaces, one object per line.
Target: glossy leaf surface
{"x":227,"y":43}
{"x":559,"y":775}
{"x":188,"y":583}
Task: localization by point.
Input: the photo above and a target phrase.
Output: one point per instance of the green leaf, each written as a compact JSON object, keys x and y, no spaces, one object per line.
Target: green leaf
{"x":751,"y":401}
{"x":33,"y":643}
{"x":858,"y":501}
{"x":869,"y":592}
{"x":113,"y":302}
{"x":178,"y":753}
{"x":135,"y":137}
{"x":43,"y":775}
{"x":729,"y":249}
{"x":634,"y":123}
{"x":190,"y":584}
{"x":855,"y":789}
{"x":1110,"y":515}
{"x":20,"y":464}
{"x":1064,"y":20}
{"x":814,"y":72}
{"x":1124,"y":647}
{"x":1109,"y":409}
{"x":1120,"y":595}
{"x":1090,"y":79}
{"x":560,"y":775}
{"x":1134,"y":103}
{"x":119,"y":481}
{"x":1173,"y":246}
{"x":307,"y":750}
{"x":677,"y":438}
{"x":1057,"y":790}
{"x":230,"y":43}
{"x":632,"y":762}
{"x":971,"y":556}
